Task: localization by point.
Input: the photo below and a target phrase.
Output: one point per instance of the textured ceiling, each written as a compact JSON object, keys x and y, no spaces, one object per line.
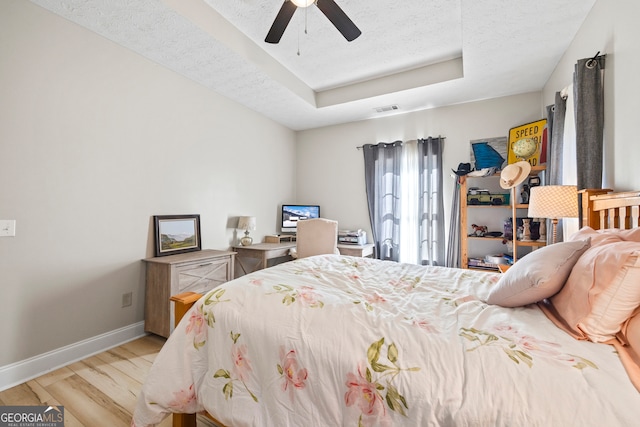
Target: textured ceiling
{"x":416,"y":54}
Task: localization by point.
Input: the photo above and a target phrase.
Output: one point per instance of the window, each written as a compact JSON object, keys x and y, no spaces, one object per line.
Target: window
{"x":404,"y":195}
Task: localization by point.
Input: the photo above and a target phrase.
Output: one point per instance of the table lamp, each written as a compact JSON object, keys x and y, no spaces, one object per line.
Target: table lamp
{"x":554,"y":202}
{"x":246,"y":223}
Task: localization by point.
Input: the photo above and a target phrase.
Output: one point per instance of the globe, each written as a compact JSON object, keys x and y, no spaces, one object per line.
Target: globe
{"x":525,"y":148}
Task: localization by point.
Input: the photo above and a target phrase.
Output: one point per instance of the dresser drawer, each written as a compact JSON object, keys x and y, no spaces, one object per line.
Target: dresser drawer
{"x":202,"y":276}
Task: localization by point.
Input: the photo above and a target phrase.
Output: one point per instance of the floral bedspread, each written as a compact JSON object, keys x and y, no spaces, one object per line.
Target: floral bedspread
{"x":343,"y":341}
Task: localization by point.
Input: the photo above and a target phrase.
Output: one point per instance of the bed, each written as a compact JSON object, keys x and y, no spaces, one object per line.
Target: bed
{"x":342,"y":341}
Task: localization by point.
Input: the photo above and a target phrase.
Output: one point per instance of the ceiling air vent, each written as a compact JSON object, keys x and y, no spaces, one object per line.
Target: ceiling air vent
{"x":386,"y":108}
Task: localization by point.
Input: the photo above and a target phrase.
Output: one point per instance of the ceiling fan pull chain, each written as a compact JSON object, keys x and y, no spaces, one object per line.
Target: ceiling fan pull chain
{"x":298,"y":39}
{"x":305,"y":28}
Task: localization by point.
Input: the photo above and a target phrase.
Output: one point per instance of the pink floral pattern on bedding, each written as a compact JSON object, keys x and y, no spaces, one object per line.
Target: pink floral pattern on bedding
{"x":365,"y":388}
{"x":521,"y":347}
{"x":375,"y":298}
{"x":240,"y":371}
{"x":305,"y":295}
{"x":202,"y":317}
{"x":349,"y":341}
{"x":294,"y":377}
{"x":363,"y":393}
{"x":197,"y":326}
{"x":370,"y":300}
{"x":407,"y":283}
{"x":424,"y":324}
{"x":184,"y":400}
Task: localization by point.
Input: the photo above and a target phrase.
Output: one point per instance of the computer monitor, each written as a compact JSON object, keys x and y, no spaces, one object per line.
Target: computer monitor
{"x":291,"y":214}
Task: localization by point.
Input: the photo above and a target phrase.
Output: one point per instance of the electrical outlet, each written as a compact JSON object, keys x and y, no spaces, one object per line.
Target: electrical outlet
{"x":127,"y":299}
{"x":7,"y":227}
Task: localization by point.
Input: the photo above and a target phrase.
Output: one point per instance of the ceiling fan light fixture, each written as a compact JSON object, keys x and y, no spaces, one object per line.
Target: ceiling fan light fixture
{"x":303,"y":3}
{"x":329,"y":8}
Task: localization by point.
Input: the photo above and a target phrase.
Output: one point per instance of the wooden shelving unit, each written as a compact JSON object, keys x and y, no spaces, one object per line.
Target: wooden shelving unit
{"x":466,"y":209}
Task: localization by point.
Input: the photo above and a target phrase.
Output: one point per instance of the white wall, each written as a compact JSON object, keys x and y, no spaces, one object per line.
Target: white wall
{"x":94,"y":141}
{"x":331,"y":169}
{"x":611,"y":28}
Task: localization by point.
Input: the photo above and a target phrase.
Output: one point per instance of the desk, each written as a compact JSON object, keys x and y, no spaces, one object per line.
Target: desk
{"x":366,"y":250}
{"x":256,"y":257}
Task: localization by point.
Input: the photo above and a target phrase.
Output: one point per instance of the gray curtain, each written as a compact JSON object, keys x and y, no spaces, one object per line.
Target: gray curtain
{"x":555,"y":127}
{"x":431,"y":206}
{"x":453,"y":248}
{"x":383,"y":170}
{"x":382,"y":166}
{"x":588,"y":90}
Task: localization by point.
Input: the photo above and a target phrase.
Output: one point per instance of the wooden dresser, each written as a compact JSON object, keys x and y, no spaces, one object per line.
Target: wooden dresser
{"x":198,"y":271}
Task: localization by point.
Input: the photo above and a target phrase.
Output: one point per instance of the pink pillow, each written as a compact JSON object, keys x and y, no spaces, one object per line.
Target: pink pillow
{"x":538,"y":275}
{"x":602,"y":291}
{"x":609,"y":235}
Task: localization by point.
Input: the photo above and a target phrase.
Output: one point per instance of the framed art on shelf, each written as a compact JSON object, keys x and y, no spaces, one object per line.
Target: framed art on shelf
{"x":489,"y":153}
{"x":176,"y":234}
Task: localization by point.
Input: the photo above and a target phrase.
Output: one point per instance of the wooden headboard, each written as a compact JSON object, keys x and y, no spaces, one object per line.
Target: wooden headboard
{"x":602,"y":208}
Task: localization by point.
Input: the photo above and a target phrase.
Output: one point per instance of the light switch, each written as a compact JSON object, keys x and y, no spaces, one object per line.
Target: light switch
{"x":7,"y":227}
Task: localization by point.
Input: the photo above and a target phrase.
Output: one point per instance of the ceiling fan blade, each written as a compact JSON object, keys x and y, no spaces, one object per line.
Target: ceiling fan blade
{"x":339,"y":19}
{"x":280,"y":23}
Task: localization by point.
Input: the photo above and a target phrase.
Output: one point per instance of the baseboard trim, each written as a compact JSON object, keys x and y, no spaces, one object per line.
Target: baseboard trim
{"x":28,"y":369}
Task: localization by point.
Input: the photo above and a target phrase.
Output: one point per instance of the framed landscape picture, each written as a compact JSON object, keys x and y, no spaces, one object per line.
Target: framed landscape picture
{"x":176,"y":234}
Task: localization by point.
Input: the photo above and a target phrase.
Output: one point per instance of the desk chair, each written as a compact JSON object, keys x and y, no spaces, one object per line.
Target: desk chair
{"x":316,"y":237}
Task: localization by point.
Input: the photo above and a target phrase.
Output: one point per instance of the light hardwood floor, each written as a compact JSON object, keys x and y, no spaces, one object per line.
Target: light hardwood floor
{"x":95,"y":392}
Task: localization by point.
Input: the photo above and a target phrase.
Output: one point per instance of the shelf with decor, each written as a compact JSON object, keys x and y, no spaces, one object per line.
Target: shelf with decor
{"x":516,"y":208}
{"x":475,"y":247}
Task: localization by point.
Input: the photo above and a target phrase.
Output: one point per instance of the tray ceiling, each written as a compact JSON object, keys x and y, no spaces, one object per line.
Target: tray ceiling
{"x":415,"y":54}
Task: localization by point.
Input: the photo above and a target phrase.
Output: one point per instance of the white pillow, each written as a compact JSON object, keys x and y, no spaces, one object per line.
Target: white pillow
{"x":537,"y":276}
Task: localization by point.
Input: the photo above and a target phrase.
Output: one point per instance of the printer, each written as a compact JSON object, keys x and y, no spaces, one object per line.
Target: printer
{"x":352,"y":237}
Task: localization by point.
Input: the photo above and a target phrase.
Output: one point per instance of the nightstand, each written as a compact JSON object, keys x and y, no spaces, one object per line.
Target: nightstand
{"x":366,"y":250}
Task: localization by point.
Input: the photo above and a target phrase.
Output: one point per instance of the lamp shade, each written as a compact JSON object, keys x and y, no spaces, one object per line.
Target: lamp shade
{"x":247,"y":223}
{"x":553,"y":201}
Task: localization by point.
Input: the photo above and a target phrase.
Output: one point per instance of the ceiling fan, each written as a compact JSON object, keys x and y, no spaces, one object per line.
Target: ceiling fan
{"x":330,"y":9}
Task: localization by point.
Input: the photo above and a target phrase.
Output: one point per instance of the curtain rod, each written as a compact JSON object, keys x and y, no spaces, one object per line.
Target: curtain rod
{"x":592,"y":62}
{"x":439,"y":136}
